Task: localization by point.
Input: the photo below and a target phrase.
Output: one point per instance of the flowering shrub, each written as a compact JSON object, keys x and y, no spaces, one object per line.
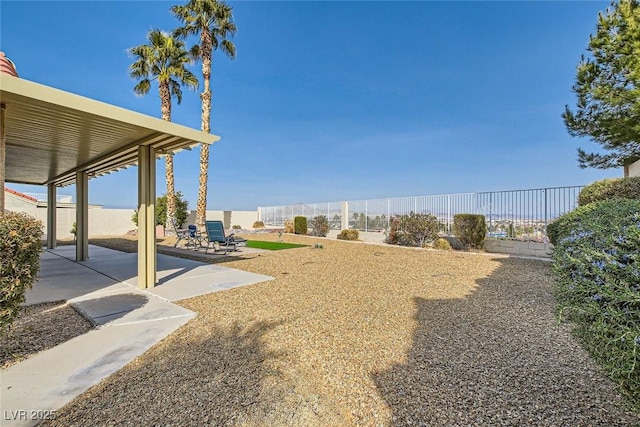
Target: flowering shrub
{"x":589,"y":217}
{"x":597,"y":263}
{"x":626,"y":188}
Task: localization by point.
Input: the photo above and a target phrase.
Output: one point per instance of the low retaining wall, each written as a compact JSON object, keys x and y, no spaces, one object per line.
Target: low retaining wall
{"x":500,"y":246}
{"x":516,"y":247}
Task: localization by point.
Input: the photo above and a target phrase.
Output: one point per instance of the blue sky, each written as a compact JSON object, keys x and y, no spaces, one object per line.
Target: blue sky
{"x":331,"y":101}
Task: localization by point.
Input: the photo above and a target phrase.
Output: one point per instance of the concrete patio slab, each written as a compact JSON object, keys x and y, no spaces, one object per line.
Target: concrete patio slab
{"x":129,"y":322}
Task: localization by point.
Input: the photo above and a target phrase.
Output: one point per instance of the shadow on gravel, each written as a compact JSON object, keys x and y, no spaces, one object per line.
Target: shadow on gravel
{"x":221,"y":377}
{"x":498,"y":357}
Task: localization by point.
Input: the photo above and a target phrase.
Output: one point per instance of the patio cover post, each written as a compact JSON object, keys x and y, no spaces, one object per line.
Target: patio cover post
{"x":3,"y":149}
{"x":51,"y":216}
{"x":147,"y":257}
{"x":82,"y":216}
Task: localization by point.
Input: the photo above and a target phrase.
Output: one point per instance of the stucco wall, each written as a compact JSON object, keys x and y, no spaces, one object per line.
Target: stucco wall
{"x":634,"y":169}
{"x":112,"y":222}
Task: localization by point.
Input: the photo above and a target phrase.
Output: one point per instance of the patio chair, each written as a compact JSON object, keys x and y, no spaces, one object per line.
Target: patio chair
{"x":191,"y":234}
{"x":216,"y":236}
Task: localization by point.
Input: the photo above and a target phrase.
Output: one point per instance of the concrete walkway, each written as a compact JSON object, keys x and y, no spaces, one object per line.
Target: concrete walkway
{"x":128,"y":322}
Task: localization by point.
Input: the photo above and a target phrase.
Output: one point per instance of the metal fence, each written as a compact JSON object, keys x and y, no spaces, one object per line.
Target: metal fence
{"x":522,"y":214}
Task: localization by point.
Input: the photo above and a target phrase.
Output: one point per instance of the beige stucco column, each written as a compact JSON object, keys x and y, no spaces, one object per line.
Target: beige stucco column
{"x":51,"y":217}
{"x":82,"y":216}
{"x":345,"y":216}
{"x":147,"y":257}
{"x":3,"y":137}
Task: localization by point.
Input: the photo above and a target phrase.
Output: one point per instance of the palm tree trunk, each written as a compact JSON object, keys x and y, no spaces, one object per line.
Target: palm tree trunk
{"x":205,"y":96}
{"x":165,"y":102}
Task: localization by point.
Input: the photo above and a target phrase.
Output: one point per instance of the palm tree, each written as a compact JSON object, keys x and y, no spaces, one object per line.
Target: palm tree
{"x":163,"y":59}
{"x":212,"y":22}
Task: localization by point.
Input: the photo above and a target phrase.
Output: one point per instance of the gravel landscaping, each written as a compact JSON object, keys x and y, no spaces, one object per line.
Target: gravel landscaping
{"x":39,"y":327}
{"x":364,"y":335}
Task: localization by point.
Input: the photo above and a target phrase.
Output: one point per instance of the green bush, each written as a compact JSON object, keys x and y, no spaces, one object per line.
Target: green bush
{"x":300,"y":225}
{"x":470,"y":230}
{"x":624,"y":188}
{"x":562,"y":226}
{"x":442,"y":244}
{"x":20,"y":247}
{"x":258,"y":224}
{"x":349,"y":235}
{"x":597,"y":265}
{"x":320,"y":226}
{"x":182,"y":213}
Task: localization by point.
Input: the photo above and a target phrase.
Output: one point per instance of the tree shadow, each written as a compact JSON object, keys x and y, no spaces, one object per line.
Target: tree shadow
{"x":498,"y":357}
{"x":104,"y":309}
{"x":210,"y":375}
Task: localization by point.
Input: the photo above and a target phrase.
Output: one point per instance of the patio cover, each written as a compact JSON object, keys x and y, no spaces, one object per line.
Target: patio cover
{"x":55,"y":138}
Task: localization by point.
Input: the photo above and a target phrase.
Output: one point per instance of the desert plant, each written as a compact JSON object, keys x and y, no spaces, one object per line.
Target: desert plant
{"x":236,"y":227}
{"x":625,"y":188}
{"x":442,"y":244}
{"x":597,"y":265}
{"x":349,"y":235}
{"x":288,"y":226}
{"x":74,"y":230}
{"x":161,"y":210}
{"x":320,"y":226}
{"x":258,"y":224}
{"x":470,"y":230}
{"x":300,"y":225}
{"x":419,"y":229}
{"x":20,"y":248}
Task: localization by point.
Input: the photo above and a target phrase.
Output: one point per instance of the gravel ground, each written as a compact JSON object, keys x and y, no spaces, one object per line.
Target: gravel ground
{"x":364,"y":335}
{"x":39,"y":327}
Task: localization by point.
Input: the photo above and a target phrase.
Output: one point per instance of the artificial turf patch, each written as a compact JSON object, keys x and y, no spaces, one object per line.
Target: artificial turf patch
{"x":272,"y":246}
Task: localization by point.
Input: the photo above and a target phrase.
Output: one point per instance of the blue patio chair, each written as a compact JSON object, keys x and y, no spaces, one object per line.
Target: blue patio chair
{"x":216,"y":236}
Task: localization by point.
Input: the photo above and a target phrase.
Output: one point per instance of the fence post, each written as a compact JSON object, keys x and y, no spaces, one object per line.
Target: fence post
{"x":345,"y":216}
{"x":544,"y":191}
{"x":366,"y":216}
{"x":448,"y":214}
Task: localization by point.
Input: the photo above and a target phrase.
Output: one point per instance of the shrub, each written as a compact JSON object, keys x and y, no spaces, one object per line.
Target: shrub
{"x":258,"y":224}
{"x":394,"y":233}
{"x":349,"y":235}
{"x":236,"y":227}
{"x":413,"y":230}
{"x":613,"y":209}
{"x":442,"y":244}
{"x":161,"y":210}
{"x":470,"y":230}
{"x":419,"y":229}
{"x":300,"y":225}
{"x":320,"y":226}
{"x":597,"y":265}
{"x":288,"y":226}
{"x":624,"y":188}
{"x":20,"y":248}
